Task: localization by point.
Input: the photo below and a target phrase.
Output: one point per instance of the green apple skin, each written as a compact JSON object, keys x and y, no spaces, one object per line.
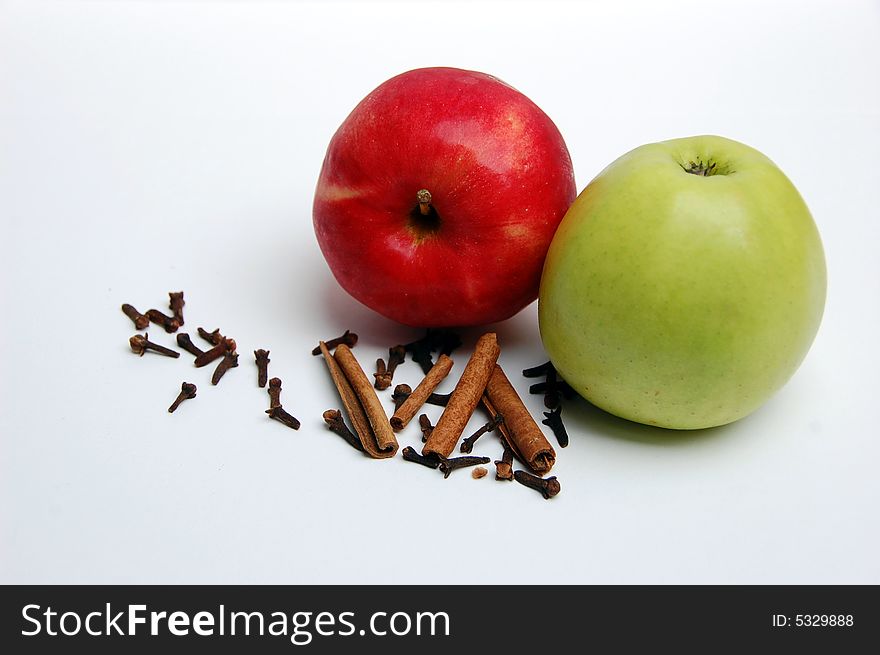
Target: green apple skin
{"x":682,"y":300}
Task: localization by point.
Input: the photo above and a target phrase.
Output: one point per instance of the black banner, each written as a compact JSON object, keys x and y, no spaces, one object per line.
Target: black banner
{"x":278,"y":619}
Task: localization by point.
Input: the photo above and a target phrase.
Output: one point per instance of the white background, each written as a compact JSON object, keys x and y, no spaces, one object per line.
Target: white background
{"x":149,"y":147}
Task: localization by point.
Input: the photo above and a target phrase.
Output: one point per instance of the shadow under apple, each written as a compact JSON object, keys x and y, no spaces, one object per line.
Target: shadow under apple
{"x":581,"y":416}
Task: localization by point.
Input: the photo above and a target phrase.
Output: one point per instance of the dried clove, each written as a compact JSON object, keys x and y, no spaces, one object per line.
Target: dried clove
{"x":552,"y":386}
{"x":403,"y":391}
{"x":479,"y":472}
{"x":176,"y":304}
{"x":169,"y":323}
{"x":186,"y":343}
{"x":215,"y":353}
{"x":421,"y":355}
{"x":230,"y":360}
{"x":396,"y":357}
{"x":444,"y":341}
{"x":448,"y":465}
{"x":552,"y":396}
{"x":283,"y":416}
{"x":554,"y":421}
{"x":381,"y":375}
{"x":504,"y":466}
{"x":187,"y":391}
{"x":567,"y":392}
{"x":140,"y":320}
{"x":274,"y":392}
{"x":561,"y":385}
{"x":262,"y":359}
{"x":384,"y":375}
{"x":440,"y":399}
{"x":548,"y":487}
{"x":334,"y":420}
{"x":426,"y":427}
{"x":537,"y":371}
{"x":468,"y":444}
{"x":447,"y":341}
{"x":349,"y":338}
{"x":420,"y":350}
{"x":411,"y":455}
{"x":400,"y":394}
{"x":213,"y":337}
{"x":141,"y":344}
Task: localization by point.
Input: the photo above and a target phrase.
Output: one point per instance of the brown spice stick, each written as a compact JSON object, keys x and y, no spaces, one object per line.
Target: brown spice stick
{"x":518,"y":428}
{"x":411,"y":406}
{"x":464,"y":398}
{"x":363,"y":389}
{"x":352,"y":405}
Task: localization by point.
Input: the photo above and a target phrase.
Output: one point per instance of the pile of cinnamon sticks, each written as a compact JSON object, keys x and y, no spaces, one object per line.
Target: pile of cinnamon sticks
{"x":482,"y":383}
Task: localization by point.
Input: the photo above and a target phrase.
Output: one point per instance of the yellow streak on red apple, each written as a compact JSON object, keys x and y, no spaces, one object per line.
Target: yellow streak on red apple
{"x":336,"y":193}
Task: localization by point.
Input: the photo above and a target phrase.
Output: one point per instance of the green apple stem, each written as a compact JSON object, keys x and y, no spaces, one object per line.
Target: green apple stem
{"x":424,"y":198}
{"x":705,"y":169}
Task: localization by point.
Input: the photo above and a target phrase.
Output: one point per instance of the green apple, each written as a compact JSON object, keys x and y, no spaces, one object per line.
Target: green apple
{"x":685,"y":284}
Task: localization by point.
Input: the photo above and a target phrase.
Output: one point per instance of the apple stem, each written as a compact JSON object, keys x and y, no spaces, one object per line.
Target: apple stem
{"x":424,"y":198}
{"x":704,"y":169}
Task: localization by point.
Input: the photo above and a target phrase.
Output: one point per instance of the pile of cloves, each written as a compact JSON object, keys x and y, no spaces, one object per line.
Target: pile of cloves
{"x":219,"y":347}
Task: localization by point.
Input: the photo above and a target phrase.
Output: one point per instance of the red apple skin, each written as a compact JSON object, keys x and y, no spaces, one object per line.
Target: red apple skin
{"x":500,"y":179}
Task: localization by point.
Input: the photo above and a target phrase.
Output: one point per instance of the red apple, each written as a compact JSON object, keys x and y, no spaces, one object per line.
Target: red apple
{"x":439,"y":196}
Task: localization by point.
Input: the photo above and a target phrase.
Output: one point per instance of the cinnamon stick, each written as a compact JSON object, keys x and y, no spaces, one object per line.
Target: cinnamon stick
{"x":518,"y":428}
{"x":464,"y":398}
{"x":352,"y":406}
{"x":385,"y":441}
{"x":417,"y":398}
